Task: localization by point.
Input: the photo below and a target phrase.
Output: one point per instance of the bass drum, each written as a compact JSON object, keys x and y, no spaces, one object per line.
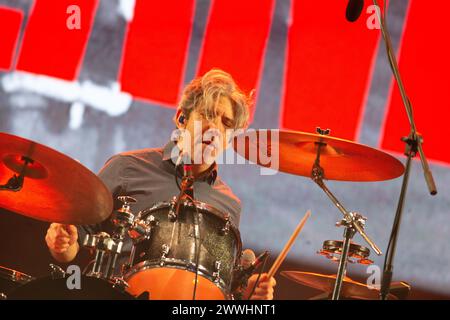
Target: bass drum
{"x":165,"y":265}
{"x":11,"y":279}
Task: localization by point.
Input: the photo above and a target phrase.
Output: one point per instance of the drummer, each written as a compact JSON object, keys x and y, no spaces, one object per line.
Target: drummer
{"x":210,"y":107}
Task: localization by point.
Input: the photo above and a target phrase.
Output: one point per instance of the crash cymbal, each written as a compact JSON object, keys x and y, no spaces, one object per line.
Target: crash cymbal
{"x":55,"y":187}
{"x":295,"y":152}
{"x":325,"y":283}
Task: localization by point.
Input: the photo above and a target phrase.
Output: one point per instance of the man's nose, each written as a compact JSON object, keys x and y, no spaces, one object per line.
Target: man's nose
{"x":211,"y":124}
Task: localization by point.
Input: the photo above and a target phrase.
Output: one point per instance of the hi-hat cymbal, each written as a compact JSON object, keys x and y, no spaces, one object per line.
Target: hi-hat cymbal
{"x":325,"y":283}
{"x":296,"y":152}
{"x":56,"y":188}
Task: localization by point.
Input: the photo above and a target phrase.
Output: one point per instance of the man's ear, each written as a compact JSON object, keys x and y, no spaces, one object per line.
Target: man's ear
{"x":178,"y":119}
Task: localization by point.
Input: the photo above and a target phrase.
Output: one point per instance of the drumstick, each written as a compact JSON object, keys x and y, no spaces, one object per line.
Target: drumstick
{"x":288,"y":246}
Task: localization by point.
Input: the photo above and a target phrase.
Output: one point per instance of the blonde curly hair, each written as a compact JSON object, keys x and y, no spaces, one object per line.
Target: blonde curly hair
{"x":204,"y":93}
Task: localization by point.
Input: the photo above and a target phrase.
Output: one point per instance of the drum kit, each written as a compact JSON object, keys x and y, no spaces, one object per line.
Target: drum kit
{"x":167,"y":260}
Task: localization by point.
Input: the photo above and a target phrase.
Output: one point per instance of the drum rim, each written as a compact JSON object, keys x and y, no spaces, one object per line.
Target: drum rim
{"x":15,"y":276}
{"x":202,"y":206}
{"x":179,"y":264}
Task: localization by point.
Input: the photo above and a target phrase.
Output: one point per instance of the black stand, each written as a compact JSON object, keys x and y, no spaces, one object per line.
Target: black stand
{"x":15,"y":183}
{"x":413,"y":145}
{"x":352,"y":221}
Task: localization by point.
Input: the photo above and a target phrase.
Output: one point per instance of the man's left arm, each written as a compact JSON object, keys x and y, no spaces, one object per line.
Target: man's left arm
{"x":263,"y":291}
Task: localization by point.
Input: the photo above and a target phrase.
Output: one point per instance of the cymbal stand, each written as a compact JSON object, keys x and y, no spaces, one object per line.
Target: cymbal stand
{"x":352,"y":221}
{"x":15,"y":183}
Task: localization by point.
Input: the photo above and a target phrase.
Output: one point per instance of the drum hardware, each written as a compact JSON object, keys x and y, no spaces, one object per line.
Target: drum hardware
{"x":141,"y":230}
{"x":15,"y":183}
{"x":172,"y":215}
{"x":353,"y":222}
{"x":357,"y":254}
{"x":413,"y":145}
{"x":56,"y":272}
{"x":11,"y":279}
{"x":114,"y":248}
{"x":102,"y":244}
{"x":226,"y":227}
{"x":120,"y":284}
{"x":164,"y":252}
{"x":123,"y":220}
{"x":216,"y":273}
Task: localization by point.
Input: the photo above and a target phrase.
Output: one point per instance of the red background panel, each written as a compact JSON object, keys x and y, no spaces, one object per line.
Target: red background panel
{"x":10,"y":22}
{"x":425,"y":68}
{"x":49,"y":47}
{"x":156,"y":50}
{"x":235,"y":39}
{"x":328,"y":68}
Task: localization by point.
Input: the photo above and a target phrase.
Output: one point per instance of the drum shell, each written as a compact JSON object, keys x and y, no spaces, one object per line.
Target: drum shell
{"x":220,"y":242}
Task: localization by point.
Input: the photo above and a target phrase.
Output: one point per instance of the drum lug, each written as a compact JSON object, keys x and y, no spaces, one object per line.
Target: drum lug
{"x":216,"y":273}
{"x":126,"y":267}
{"x":165,"y":250}
{"x":172,"y":216}
{"x":56,"y":272}
{"x":226,"y":228}
{"x":3,"y":296}
{"x":120,"y":284}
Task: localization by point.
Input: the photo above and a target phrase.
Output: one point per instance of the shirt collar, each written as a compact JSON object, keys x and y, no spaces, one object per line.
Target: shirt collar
{"x":170,"y":155}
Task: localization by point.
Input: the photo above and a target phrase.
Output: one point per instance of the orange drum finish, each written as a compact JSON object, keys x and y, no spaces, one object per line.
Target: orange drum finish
{"x":173,"y":284}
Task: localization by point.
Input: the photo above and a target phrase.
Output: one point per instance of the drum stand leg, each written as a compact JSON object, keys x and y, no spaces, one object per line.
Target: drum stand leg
{"x":342,"y":270}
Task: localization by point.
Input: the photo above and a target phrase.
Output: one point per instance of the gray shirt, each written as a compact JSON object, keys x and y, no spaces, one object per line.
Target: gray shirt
{"x":148,"y":175}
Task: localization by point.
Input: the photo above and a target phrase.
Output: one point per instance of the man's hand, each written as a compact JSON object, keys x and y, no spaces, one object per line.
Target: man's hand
{"x":62,"y":241}
{"x":264,"y":290}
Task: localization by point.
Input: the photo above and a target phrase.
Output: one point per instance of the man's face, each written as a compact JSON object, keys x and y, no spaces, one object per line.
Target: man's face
{"x":207,"y":139}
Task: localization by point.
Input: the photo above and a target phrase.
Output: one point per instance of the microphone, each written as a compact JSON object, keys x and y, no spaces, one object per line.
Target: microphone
{"x":256,"y":263}
{"x":247,"y":258}
{"x":248,"y":264}
{"x":184,"y":159}
{"x":187,"y":181}
{"x":354,"y":9}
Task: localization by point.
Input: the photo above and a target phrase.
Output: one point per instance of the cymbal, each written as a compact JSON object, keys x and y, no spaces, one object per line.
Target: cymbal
{"x":295,"y":153}
{"x":56,"y":188}
{"x":325,"y":283}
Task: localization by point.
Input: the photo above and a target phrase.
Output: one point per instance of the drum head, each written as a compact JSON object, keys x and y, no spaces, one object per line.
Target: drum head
{"x":49,"y":289}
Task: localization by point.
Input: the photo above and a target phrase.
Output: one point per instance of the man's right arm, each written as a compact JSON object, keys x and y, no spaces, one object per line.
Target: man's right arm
{"x":62,"y":239}
{"x":62,"y":242}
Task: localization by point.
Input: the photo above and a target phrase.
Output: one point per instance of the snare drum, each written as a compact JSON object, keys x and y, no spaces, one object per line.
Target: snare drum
{"x":165,"y":265}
